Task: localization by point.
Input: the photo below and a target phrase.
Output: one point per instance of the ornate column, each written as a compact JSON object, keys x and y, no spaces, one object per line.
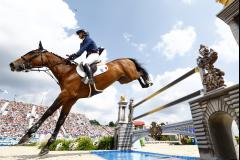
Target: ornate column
{"x":122,"y":110}
{"x":124,"y":130}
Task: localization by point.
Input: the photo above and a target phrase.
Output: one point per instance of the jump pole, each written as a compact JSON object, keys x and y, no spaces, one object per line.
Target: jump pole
{"x":180,"y":100}
{"x":194,"y":70}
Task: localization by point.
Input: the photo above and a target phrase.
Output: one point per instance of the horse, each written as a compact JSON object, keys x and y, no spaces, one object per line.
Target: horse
{"x":123,"y":70}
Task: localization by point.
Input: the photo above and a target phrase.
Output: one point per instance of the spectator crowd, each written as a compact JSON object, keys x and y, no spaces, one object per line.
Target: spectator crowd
{"x":17,"y":117}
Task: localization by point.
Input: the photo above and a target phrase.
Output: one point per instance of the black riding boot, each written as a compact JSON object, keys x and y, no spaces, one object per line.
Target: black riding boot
{"x":89,"y":73}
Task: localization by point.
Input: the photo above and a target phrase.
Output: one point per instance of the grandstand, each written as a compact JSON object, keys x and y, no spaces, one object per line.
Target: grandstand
{"x":17,"y":117}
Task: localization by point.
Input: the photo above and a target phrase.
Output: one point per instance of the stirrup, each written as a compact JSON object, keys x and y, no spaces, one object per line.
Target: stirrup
{"x":91,"y":81}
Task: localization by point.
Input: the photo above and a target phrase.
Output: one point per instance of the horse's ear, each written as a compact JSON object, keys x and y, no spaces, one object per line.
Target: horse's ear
{"x":40,"y":46}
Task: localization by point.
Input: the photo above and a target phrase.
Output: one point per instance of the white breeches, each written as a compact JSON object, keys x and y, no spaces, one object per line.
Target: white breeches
{"x":91,"y":58}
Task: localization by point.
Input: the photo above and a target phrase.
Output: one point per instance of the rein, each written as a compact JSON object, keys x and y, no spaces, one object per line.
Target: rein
{"x":28,"y":67}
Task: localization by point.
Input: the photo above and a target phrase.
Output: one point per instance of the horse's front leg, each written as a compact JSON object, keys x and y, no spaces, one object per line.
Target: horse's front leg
{"x":64,"y":113}
{"x":56,"y":105}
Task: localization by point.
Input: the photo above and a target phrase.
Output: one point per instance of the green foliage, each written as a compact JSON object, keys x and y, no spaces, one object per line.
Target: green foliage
{"x":237,"y":139}
{"x":142,"y":142}
{"x":112,"y":124}
{"x":164,"y":138}
{"x":186,"y":141}
{"x":65,"y":145}
{"x":85,"y":143}
{"x":162,"y":124}
{"x":106,"y":143}
{"x":189,"y":141}
{"x":94,"y":122}
{"x":155,"y":131}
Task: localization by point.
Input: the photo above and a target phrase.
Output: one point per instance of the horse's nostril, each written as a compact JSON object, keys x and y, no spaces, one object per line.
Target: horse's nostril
{"x":12,"y":66}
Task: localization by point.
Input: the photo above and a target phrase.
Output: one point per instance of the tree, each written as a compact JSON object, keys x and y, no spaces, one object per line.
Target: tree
{"x":162,"y":124}
{"x":112,"y":124}
{"x":156,"y":131}
{"x":94,"y":122}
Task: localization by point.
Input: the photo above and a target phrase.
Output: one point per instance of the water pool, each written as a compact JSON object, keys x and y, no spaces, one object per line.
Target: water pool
{"x":134,"y":155}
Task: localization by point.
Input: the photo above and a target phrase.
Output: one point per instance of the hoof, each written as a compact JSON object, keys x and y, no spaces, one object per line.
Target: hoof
{"x":149,"y":83}
{"x":24,"y":139}
{"x":43,"y":152}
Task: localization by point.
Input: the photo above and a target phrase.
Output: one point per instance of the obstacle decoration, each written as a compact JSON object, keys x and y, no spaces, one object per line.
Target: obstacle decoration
{"x":213,"y":115}
{"x":224,"y":2}
{"x":212,"y":76}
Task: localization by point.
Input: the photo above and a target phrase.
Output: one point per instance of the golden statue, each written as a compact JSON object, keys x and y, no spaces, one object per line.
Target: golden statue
{"x":123,"y":99}
{"x":224,"y":2}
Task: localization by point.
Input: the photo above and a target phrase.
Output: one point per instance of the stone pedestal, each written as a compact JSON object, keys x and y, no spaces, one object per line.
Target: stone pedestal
{"x":124,"y":129}
{"x":213,"y":115}
{"x":123,"y":136}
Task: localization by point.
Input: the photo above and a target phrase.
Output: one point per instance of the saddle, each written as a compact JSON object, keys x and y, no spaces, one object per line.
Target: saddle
{"x":97,"y":68}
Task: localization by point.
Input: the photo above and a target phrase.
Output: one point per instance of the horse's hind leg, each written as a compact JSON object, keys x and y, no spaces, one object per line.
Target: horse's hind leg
{"x":57,"y":104}
{"x":64,"y":113}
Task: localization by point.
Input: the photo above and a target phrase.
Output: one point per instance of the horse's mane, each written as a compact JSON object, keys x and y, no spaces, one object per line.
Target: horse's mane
{"x":63,"y":59}
{"x":57,"y":55}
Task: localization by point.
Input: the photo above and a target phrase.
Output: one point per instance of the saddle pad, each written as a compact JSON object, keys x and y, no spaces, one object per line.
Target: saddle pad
{"x":101,"y":68}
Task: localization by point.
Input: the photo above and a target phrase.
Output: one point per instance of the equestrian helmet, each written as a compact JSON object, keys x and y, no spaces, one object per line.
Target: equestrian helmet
{"x":82,"y":31}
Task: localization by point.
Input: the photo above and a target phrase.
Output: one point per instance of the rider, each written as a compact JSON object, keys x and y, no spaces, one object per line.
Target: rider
{"x":92,"y":50}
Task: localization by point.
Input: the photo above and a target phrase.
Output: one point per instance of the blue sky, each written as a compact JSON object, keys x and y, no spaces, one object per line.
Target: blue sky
{"x":164,"y":35}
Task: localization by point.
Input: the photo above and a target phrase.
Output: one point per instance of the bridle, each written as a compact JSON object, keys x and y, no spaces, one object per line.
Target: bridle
{"x":27,"y":66}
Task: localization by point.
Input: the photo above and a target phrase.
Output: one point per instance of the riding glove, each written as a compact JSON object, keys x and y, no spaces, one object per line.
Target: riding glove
{"x":72,"y":57}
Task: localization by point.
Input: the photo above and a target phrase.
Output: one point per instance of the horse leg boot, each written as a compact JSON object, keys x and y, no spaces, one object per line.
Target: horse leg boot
{"x":64,"y":113}
{"x":57,"y":104}
{"x":147,"y":81}
{"x":143,"y":85}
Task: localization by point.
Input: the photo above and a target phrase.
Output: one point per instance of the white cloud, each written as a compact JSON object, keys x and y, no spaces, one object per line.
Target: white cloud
{"x":176,"y":42}
{"x":139,"y":46}
{"x":22,"y":25}
{"x":25,"y":25}
{"x":189,"y":2}
{"x":225,"y":45}
{"x":102,"y":107}
{"x":127,"y":37}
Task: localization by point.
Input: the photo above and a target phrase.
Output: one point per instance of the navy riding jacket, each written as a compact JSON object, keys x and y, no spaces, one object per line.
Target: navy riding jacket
{"x":87,"y":45}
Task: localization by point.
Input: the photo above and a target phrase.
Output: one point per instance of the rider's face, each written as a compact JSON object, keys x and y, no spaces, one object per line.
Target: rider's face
{"x":81,"y":35}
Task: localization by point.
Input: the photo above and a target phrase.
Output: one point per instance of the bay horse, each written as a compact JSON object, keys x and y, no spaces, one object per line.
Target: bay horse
{"x":123,"y":70}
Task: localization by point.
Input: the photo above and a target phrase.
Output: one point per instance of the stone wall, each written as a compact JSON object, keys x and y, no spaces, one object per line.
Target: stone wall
{"x":212,"y":118}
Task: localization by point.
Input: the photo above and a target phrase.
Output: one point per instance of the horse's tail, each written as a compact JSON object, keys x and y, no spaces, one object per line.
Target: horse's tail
{"x":140,"y":69}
